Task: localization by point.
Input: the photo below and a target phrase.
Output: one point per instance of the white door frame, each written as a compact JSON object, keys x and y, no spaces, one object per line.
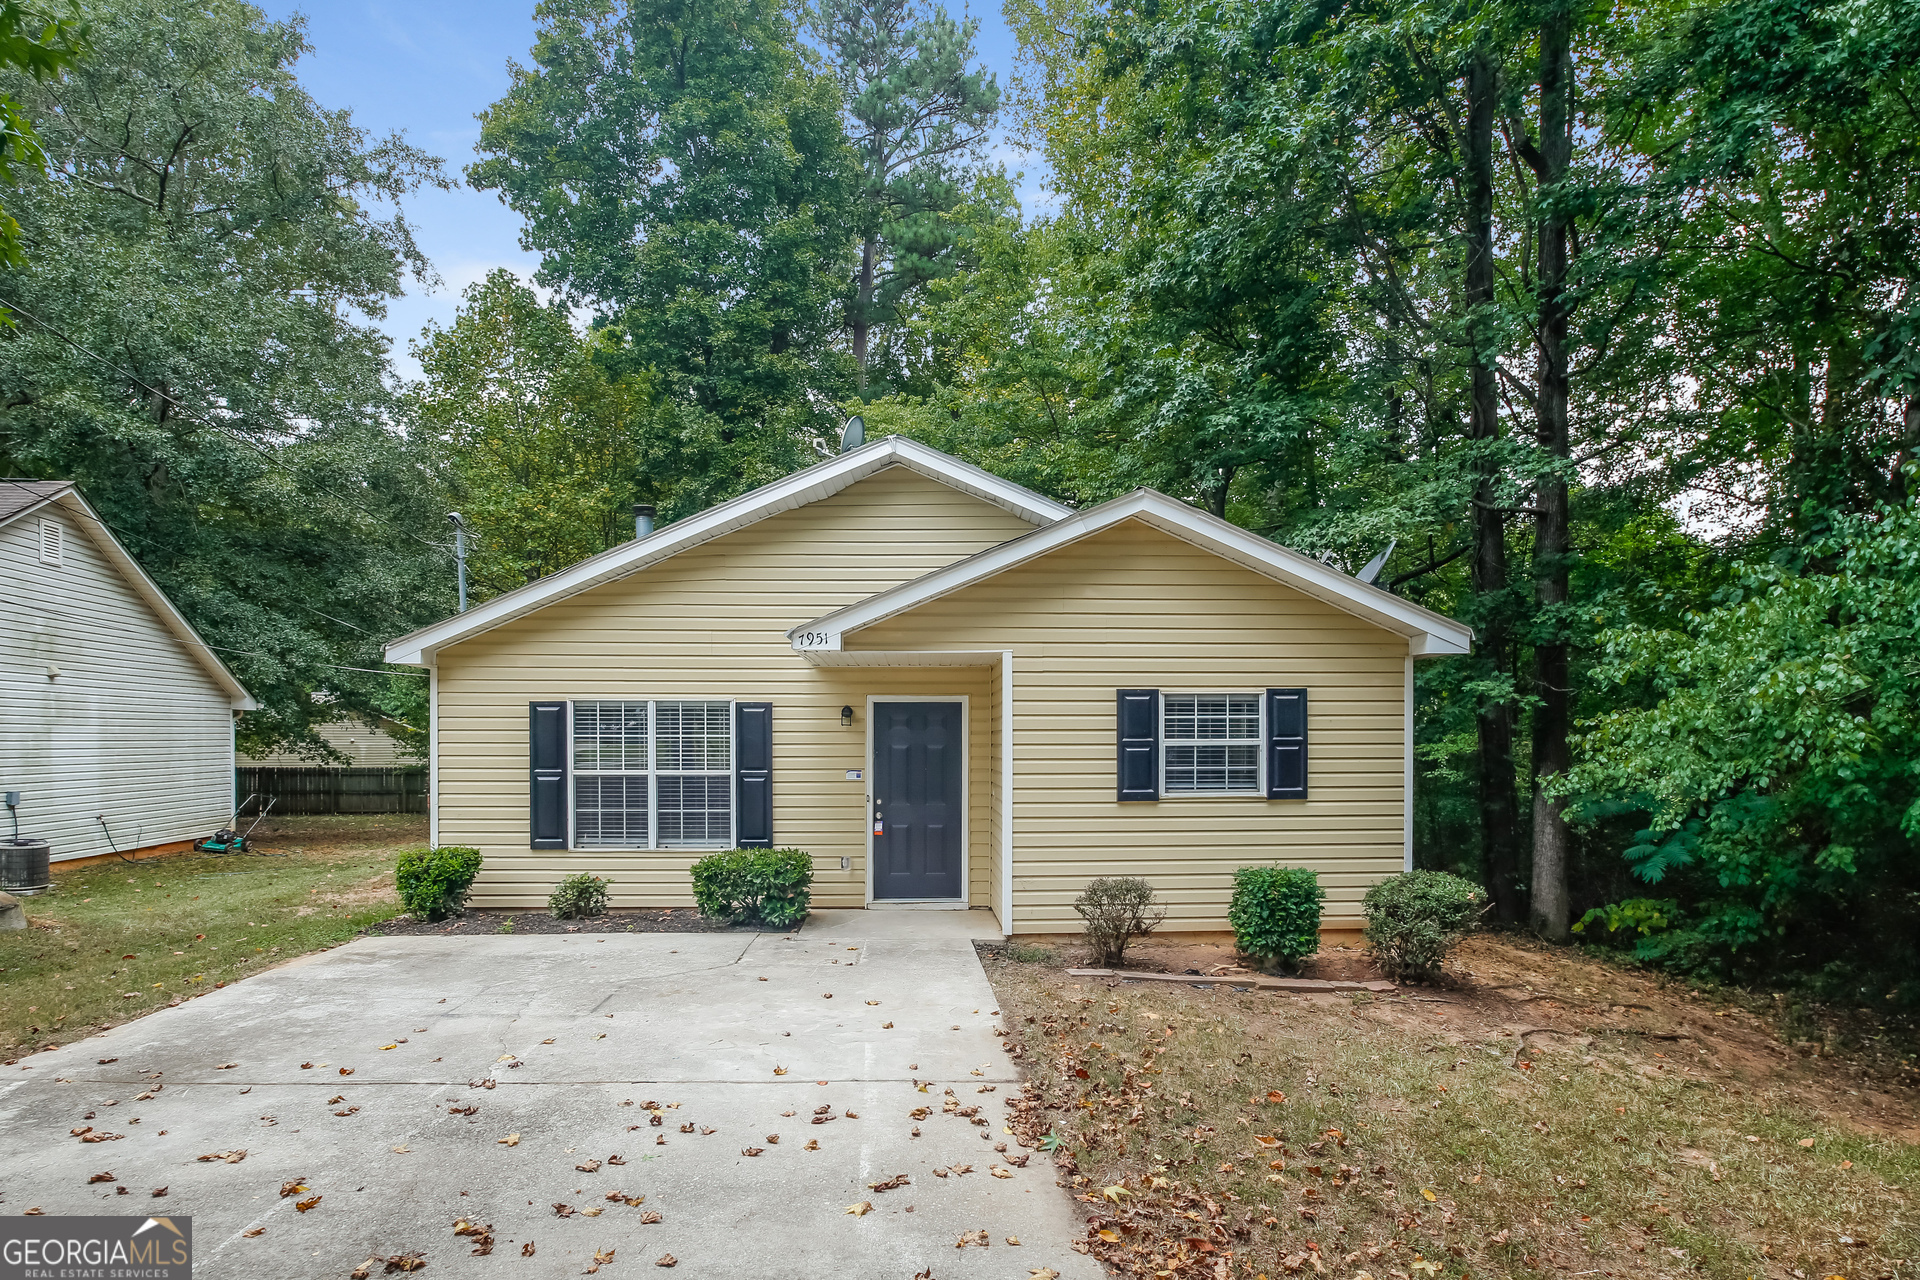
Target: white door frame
{"x":966,"y":804}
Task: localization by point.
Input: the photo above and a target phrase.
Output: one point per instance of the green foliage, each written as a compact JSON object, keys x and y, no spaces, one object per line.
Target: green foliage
{"x":755,"y":886}
{"x":187,"y":345}
{"x":42,"y":46}
{"x":1416,"y":918}
{"x":1275,"y":913}
{"x":682,"y":170}
{"x":433,"y":883}
{"x":917,"y":113}
{"x":1779,"y":757}
{"x":1625,"y":923}
{"x":543,"y":450}
{"x":579,"y":896}
{"x":1117,"y":910}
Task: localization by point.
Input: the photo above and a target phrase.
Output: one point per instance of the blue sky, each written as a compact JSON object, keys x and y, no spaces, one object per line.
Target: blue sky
{"x":426,"y":67}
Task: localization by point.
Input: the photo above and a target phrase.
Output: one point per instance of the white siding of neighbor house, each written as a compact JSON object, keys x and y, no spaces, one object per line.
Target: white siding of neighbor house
{"x":363,"y":745}
{"x":711,"y":622}
{"x":1135,"y":608}
{"x":132,"y":729}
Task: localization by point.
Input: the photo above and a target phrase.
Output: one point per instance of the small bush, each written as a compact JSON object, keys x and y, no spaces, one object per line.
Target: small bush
{"x":1276,"y":913}
{"x":1415,"y":919}
{"x":1626,"y":923}
{"x":768,"y":886}
{"x":577,"y":897}
{"x":433,"y":883}
{"x":1117,"y":910}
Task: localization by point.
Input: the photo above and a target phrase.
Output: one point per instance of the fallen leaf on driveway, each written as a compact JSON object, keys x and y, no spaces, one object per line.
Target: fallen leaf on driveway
{"x":813,"y":1144}
{"x":705,"y":1130}
{"x":546,"y":1042}
{"x":862,"y":1209}
{"x":1013,"y":1239}
{"x":257,"y":1231}
{"x":402,"y":1150}
{"x":601,"y":1257}
{"x":886,"y":1026}
{"x":468,"y":1110}
{"x":826,"y":995}
{"x":159,"y":1191}
{"x":1043,"y":1273}
{"x":336,"y":1099}
{"x":615,"y":1160}
{"x":100,"y":1177}
{"x":526,"y":1250}
{"x":346,"y":1071}
{"x":979,"y":1238}
{"x":588,"y":1166}
{"x":511,"y":1140}
{"x":562,"y":1210}
{"x":998,"y":1172}
{"x":293,"y":1187}
{"x":773,"y":1139}
{"x":231,"y":1157}
{"x":650,"y":1217}
{"x":406,"y":1262}
{"x":364,"y":1270}
{"x":594,"y":1212}
{"x":666,"y":1260}
{"x":226,"y":1066}
{"x":750,"y":1151}
{"x":304,"y":1205}
{"x":873,"y":1002}
{"x":385,"y":1047}
{"x":888,"y":1184}
{"x":779,"y":1071}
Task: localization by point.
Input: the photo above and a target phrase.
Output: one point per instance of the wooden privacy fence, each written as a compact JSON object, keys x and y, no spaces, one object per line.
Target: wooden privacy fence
{"x":317,"y":789}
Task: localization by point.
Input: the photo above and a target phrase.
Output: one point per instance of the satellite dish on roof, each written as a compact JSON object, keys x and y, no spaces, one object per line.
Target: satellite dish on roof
{"x":854,"y":434}
{"x":1379,"y":562}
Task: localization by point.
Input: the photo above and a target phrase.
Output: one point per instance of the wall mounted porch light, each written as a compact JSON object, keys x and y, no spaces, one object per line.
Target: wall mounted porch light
{"x":846,"y":717}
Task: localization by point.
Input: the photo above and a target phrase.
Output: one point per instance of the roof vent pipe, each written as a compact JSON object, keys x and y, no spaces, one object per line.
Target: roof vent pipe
{"x":642,"y":519}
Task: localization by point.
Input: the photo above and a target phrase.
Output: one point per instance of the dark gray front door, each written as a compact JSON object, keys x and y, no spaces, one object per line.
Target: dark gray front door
{"x":917,"y":806}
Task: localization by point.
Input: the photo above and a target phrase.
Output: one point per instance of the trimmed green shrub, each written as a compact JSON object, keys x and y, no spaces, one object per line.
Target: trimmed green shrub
{"x":1415,"y":919}
{"x":578,"y":896}
{"x":433,"y":883}
{"x":770,"y":886}
{"x":1275,"y":913}
{"x":1117,"y":910}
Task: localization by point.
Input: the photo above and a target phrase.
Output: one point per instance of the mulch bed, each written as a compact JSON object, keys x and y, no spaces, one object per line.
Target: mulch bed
{"x":674,"y":920}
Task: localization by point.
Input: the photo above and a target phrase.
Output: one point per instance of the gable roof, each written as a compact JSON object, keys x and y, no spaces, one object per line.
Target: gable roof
{"x":802,"y":487}
{"x":20,"y":498}
{"x":1427,"y":632}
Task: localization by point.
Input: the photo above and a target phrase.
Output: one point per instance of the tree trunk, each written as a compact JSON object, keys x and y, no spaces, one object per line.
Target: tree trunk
{"x":1551,"y":721}
{"x":862,"y":303}
{"x":1499,"y":818}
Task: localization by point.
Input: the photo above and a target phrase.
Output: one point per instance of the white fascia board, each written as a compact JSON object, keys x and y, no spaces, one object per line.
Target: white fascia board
{"x":816,"y":482}
{"x":149,"y":590}
{"x":902,"y":657}
{"x":1427,"y":632}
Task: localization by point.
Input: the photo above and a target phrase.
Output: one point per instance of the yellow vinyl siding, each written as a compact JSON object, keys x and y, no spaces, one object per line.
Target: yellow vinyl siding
{"x":1133,"y":607}
{"x":711,"y":623}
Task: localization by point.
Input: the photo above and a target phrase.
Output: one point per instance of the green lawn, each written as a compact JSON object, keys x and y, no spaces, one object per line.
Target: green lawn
{"x":113,"y":941}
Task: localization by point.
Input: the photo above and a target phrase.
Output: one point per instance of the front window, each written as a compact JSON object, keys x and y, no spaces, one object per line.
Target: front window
{"x":1211,"y":742}
{"x":652,"y":775}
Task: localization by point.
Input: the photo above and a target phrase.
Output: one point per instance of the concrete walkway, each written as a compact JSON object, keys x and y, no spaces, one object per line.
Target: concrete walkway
{"x":732,"y":1035}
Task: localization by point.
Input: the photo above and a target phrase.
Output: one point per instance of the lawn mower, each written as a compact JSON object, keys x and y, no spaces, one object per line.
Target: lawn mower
{"x":230,"y":839}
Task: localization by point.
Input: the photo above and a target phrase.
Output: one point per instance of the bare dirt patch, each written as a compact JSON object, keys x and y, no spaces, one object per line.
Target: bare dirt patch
{"x":1540,"y":1113}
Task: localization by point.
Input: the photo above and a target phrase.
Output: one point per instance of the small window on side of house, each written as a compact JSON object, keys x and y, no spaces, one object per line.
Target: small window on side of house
{"x":1211,"y":744}
{"x":52,"y":536}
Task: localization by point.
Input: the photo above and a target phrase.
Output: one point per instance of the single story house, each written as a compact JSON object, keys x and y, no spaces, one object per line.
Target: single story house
{"x":118,"y":728}
{"x":948,"y":689}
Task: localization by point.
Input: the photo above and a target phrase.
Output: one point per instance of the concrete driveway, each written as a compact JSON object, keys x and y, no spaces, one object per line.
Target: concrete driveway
{"x":563,"y":1041}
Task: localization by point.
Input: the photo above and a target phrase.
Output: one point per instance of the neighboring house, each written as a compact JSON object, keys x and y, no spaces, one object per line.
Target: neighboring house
{"x":948,"y":689}
{"x":118,"y":719}
{"x":364,"y":746}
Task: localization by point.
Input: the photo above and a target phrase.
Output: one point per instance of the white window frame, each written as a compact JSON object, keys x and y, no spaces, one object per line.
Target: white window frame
{"x":1259,"y":790}
{"x":653,"y":844}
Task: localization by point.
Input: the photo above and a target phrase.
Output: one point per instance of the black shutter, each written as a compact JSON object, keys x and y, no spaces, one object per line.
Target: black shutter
{"x":753,"y":774}
{"x":1138,"y":714}
{"x":1286,"y":744}
{"x":547,"y":798}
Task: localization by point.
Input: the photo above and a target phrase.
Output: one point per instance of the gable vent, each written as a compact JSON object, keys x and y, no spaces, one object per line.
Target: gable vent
{"x":50,"y":539}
